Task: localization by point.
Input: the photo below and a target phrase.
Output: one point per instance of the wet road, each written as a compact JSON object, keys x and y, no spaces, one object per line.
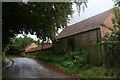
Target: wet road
{"x":27,"y":68}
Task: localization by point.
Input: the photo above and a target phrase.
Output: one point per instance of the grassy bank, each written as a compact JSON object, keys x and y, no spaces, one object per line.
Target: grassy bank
{"x":77,"y":63}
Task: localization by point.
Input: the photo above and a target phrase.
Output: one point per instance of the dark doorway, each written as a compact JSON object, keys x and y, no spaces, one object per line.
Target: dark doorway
{"x":71,"y":44}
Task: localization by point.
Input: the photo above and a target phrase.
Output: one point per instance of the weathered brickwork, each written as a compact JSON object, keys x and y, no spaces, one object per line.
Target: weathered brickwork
{"x":80,"y":41}
{"x":85,"y":33}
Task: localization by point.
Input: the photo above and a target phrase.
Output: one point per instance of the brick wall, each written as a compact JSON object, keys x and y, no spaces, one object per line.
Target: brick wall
{"x":80,"y":41}
{"x":60,"y":45}
{"x":107,"y":22}
{"x":86,"y":39}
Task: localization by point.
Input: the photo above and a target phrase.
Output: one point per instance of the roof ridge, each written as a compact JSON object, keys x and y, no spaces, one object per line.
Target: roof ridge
{"x":91,"y":21}
{"x":92,"y":17}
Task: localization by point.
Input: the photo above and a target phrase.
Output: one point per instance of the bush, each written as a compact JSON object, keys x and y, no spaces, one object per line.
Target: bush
{"x":71,"y":63}
{"x":80,"y":57}
{"x":52,"y":58}
{"x":112,"y":54}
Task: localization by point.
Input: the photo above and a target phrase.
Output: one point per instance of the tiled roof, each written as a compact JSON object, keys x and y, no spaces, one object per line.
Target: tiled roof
{"x":85,"y":25}
{"x":33,"y":45}
{"x":46,"y":46}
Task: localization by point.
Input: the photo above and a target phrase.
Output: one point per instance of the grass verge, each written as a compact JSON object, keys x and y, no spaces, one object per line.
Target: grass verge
{"x":78,"y":64}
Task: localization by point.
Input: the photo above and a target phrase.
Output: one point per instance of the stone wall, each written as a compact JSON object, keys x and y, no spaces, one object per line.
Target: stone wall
{"x":107,"y":22}
{"x":87,"y":39}
{"x":60,"y":46}
{"x":41,"y":52}
{"x":96,"y":54}
{"x":106,"y":54}
{"x":80,"y":41}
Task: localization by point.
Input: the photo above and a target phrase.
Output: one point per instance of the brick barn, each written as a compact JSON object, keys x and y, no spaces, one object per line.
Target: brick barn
{"x":31,"y":46}
{"x":85,"y":33}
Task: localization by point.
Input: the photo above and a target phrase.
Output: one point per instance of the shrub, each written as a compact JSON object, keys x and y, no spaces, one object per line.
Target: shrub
{"x":112,"y":55}
{"x":80,"y":57}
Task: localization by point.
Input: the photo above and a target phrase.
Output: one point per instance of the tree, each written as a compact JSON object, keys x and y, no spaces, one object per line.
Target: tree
{"x":117,"y":3}
{"x":41,"y":19}
{"x":17,"y":45}
{"x":115,"y":29}
{"x":112,"y":46}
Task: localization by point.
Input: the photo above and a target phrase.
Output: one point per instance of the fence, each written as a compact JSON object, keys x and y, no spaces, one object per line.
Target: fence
{"x":107,"y":54}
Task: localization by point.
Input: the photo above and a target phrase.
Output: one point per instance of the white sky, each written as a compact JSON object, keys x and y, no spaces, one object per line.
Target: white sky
{"x":94,"y":7}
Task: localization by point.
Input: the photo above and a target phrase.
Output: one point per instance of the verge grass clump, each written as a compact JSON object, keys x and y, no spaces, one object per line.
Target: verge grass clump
{"x":70,"y":63}
{"x":78,"y":64}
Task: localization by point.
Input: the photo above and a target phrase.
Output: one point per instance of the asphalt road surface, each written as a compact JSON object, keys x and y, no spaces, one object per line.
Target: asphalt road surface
{"x":26,"y":68}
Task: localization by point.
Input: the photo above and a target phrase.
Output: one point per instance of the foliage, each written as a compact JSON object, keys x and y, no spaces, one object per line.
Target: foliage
{"x":76,"y":59}
{"x":112,"y":55}
{"x":112,"y":40}
{"x":77,"y":64}
{"x":105,"y":54}
{"x":52,"y":58}
{"x":29,"y":56}
{"x":115,"y":29}
{"x":4,"y":59}
{"x":19,"y":44}
{"x":80,"y":57}
{"x":117,"y":2}
{"x":96,"y":54}
{"x":99,"y":72}
{"x":41,"y":19}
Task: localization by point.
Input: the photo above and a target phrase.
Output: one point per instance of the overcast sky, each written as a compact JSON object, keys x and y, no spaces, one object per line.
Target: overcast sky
{"x":94,"y":7}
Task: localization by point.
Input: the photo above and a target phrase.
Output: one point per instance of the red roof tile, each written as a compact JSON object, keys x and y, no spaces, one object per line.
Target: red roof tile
{"x":46,"y":46}
{"x":33,"y":45}
{"x":85,"y":25}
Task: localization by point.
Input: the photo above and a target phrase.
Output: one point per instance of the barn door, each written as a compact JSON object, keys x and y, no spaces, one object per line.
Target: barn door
{"x":71,"y":44}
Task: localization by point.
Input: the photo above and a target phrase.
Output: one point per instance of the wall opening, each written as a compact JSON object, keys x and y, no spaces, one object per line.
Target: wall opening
{"x":71,"y":44}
